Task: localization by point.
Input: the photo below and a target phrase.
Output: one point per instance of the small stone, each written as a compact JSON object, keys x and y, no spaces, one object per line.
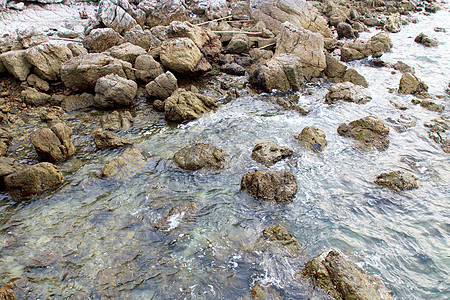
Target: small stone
{"x":397,"y":181}
{"x":268,"y":153}
{"x":426,"y":40}
{"x":125,"y":166}
{"x":109,"y":140}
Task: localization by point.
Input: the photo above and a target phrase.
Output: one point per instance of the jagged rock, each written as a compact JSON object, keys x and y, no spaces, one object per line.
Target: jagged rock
{"x":163,"y":12}
{"x":142,"y":38}
{"x":109,"y":140}
{"x":76,"y":49}
{"x":313,"y":138}
{"x":351,"y":75}
{"x":180,"y":55}
{"x":397,"y":181}
{"x":439,"y":132}
{"x":82,"y":72}
{"x":334,"y":69}
{"x":16,"y":63}
{"x":349,"y":92}
{"x":162,"y":87}
{"x":345,"y":31}
{"x":5,"y":140}
{"x":383,"y":37}
{"x":233,"y":69}
{"x":404,"y":68}
{"x":8,"y":166}
{"x":264,"y":293}
{"x":185,"y":105}
{"x":177,"y":214}
{"x":335,"y":14}
{"x":47,"y":59}
{"x":53,"y":144}
{"x":370,"y":131}
{"x":260,"y":55}
{"x":375,"y":47}
{"x":125,"y":166}
{"x":431,"y":106}
{"x":239,"y":43}
{"x":31,"y":36}
{"x":40,"y":84}
{"x":113,"y":91}
{"x":116,"y":14}
{"x":270,"y":186}
{"x":31,"y":96}
{"x":426,"y":40}
{"x":76,"y":102}
{"x":200,"y":156}
{"x":126,"y":51}
{"x":278,"y":235}
{"x":101,"y":39}
{"x":147,"y":68}
{"x":158,"y":105}
{"x":117,"y":120}
{"x":268,"y":153}
{"x":410,"y":84}
{"x":393,"y":23}
{"x":9,"y":43}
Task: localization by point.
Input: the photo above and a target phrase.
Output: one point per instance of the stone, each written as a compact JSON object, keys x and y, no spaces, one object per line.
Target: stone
{"x":260,"y":292}
{"x":47,"y":59}
{"x":31,"y":96}
{"x":116,"y":14}
{"x":199,"y":156}
{"x":351,"y":75}
{"x":334,"y":69}
{"x":125,"y":166}
{"x":397,"y":181}
{"x":30,"y":36}
{"x":76,"y":49}
{"x":16,"y":64}
{"x":101,"y":39}
{"x":260,"y":55}
{"x":239,"y":43}
{"x":147,"y":68}
{"x":313,"y":138}
{"x":393,"y":23}
{"x":77,"y":102}
{"x":116,"y":120}
{"x":185,"y":105}
{"x":233,"y":69}
{"x":40,"y":84}
{"x":53,"y":144}
{"x":158,"y":105}
{"x":431,"y":106}
{"x":113,"y":91}
{"x":163,"y":12}
{"x":179,"y":213}
{"x":109,"y":140}
{"x":163,"y":86}
{"x":126,"y":51}
{"x":403,"y":68}
{"x":410,"y":84}
{"x":279,"y":187}
{"x":370,"y":131}
{"x":426,"y":40}
{"x":33,"y":180}
{"x":8,"y":166}
{"x":345,"y":31}
{"x":180,"y":55}
{"x":142,"y":38}
{"x":361,"y":49}
{"x":269,"y":153}
{"x":383,"y":37}
{"x":348,"y":92}
{"x":280,"y":236}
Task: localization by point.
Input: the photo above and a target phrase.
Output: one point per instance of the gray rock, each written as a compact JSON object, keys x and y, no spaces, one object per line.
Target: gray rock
{"x":109,"y":140}
{"x":125,"y":166}
{"x":180,"y":55}
{"x":77,"y":101}
{"x":163,"y":12}
{"x":199,"y":156}
{"x":76,"y":49}
{"x":31,"y":96}
{"x":126,"y":51}
{"x":53,"y":144}
{"x":345,"y":31}
{"x":101,"y":39}
{"x":113,"y":91}
{"x":184,"y":105}
{"x":115,"y":14}
{"x":269,"y":153}
{"x":239,"y":43}
{"x":141,"y":38}
{"x":404,"y":68}
{"x":16,"y":64}
{"x":147,"y":68}
{"x":393,"y":23}
{"x":162,"y":87}
{"x":349,"y":92}
{"x":40,"y":84}
{"x":116,"y":120}
{"x":233,"y":69}
{"x":397,"y":181}
{"x":351,"y":75}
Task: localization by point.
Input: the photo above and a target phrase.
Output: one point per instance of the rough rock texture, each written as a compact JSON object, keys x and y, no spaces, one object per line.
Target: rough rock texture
{"x":33,"y":180}
{"x":383,"y":37}
{"x":116,"y":120}
{"x":338,"y":72}
{"x":370,"y":131}
{"x":176,"y":216}
{"x":126,"y":51}
{"x":260,"y":292}
{"x":113,"y":91}
{"x":233,"y":69}
{"x":432,"y":106}
{"x":16,"y":64}
{"x":268,"y":153}
{"x":47,"y":59}
{"x":31,"y":96}
{"x":36,"y":82}
{"x":76,"y":102}
{"x":109,"y":140}
{"x":200,"y":156}
{"x":440,"y":132}
{"x":351,"y":75}
{"x":280,"y":236}
{"x":180,"y":55}
{"x":349,"y":92}
{"x":76,"y":49}
{"x":118,"y":15}
{"x":53,"y":144}
{"x":101,"y":39}
{"x":147,"y":68}
{"x":162,"y":12}
{"x":270,"y":186}
{"x":313,"y":138}
{"x":397,"y":181}
{"x":345,"y":31}
{"x":163,"y":86}
{"x":393,"y":23}
{"x":8,"y":166}
{"x":239,"y":43}
{"x":308,"y":46}
{"x":426,"y":40}
{"x":404,"y":68}
{"x":125,"y":166}
{"x":6,"y":291}
{"x":375,"y":47}
{"x":5,"y":140}
{"x":142,"y":38}
{"x":185,"y":105}
{"x":410,"y":84}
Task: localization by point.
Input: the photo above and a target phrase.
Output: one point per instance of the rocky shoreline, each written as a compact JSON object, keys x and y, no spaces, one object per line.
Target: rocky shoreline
{"x":160,"y":53}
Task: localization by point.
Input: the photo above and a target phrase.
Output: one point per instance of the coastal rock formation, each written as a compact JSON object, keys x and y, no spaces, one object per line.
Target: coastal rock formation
{"x":348,"y":92}
{"x":181,"y":55}
{"x":116,"y":120}
{"x":119,"y":15}
{"x":125,"y":166}
{"x":279,"y":236}
{"x":397,"y":181}
{"x":101,"y":39}
{"x":113,"y":91}
{"x":147,"y":68}
{"x":410,"y":84}
{"x":313,"y":138}
{"x":109,"y":140}
{"x":53,"y":144}
{"x":16,"y":63}
{"x":126,"y":52}
{"x":163,"y":12}
{"x":5,"y":140}
{"x":375,"y":47}
{"x":33,"y":97}
{"x":142,"y":38}
{"x":345,"y":30}
{"x":339,"y":72}
{"x":8,"y":166}
{"x":185,"y":105}
{"x":268,"y":153}
{"x":426,"y":40}
{"x":199,"y":156}
{"x":370,"y":131}
{"x":77,"y":101}
{"x":163,"y":86}
{"x":35,"y":81}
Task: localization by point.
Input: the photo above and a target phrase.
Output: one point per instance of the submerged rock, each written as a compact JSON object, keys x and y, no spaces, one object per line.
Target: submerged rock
{"x":313,"y":138}
{"x":431,"y":106}
{"x":109,"y":140}
{"x":185,"y":105}
{"x":179,"y":213}
{"x":370,"y":131}
{"x":260,"y":292}
{"x":279,"y":187}
{"x":54,"y":143}
{"x":439,"y":132}
{"x":6,"y":292}
{"x":278,"y":235}
{"x":348,"y":92}
{"x":268,"y":153}
{"x":200,"y":156}
{"x":426,"y":40}
{"x":397,"y":181}
{"x":125,"y":166}
{"x":76,"y":102}
{"x":404,"y":68}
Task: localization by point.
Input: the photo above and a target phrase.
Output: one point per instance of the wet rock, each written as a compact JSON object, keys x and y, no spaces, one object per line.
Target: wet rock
{"x":16,"y":63}
{"x":393,"y":23}
{"x":361,"y":49}
{"x":185,"y":105}
{"x":53,"y":144}
{"x":180,"y":55}
{"x":402,"y":123}
{"x":33,"y":180}
{"x":125,"y":166}
{"x":38,"y":83}
{"x":370,"y":131}
{"x":76,"y":49}
{"x":313,"y":138}
{"x":383,"y":37}
{"x":404,"y":68}
{"x":179,"y":213}
{"x":334,"y":69}
{"x":126,"y":51}
{"x":5,"y":140}
{"x":147,"y":68}
{"x":233,"y":69}
{"x":239,"y":43}
{"x":113,"y":91}
{"x":351,"y":75}
{"x":47,"y":59}
{"x":410,"y":84}
{"x":345,"y":31}
{"x":31,"y":96}
{"x":200,"y":156}
{"x":278,"y":235}
{"x":163,"y":12}
{"x":109,"y":140}
{"x":163,"y":86}
{"x":279,"y":187}
{"x":268,"y":153}
{"x":439,"y":132}
{"x":426,"y":40}
{"x":343,"y":280}
{"x":101,"y":39}
{"x":397,"y":181}
{"x":431,"y":106}
{"x":117,"y":120}
{"x":76,"y":102}
{"x":348,"y":92}
{"x":260,"y":292}
{"x":8,"y":166}
{"x":117,"y":15}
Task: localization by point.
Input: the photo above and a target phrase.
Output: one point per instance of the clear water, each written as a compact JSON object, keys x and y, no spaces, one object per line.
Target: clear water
{"x":95,"y":238}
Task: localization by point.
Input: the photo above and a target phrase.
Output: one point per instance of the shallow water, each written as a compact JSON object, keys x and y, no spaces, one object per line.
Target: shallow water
{"x":95,"y":238}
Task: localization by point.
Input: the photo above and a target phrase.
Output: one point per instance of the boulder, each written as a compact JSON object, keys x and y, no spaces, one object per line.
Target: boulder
{"x":76,"y":49}
{"x":351,"y":75}
{"x":383,"y":37}
{"x":47,"y":59}
{"x":426,"y":40}
{"x":31,"y":36}
{"x":8,"y":166}
{"x":36,"y":82}
{"x":116,"y":120}
{"x":268,"y":153}
{"x":199,"y":156}
{"x":101,"y":39}
{"x":163,"y":12}
{"x":345,"y":31}
{"x":117,"y":14}
{"x":279,"y":187}
{"x":370,"y":131}
{"x":278,"y":235}
{"x":180,"y":55}
{"x":432,"y":106}
{"x":233,"y":69}
{"x":6,"y":291}
{"x":397,"y":181}
{"x":113,"y":91}
{"x":349,"y":92}
{"x":31,"y":96}
{"x":334,"y":69}
{"x":33,"y":180}
{"x":308,"y":46}
{"x":77,"y":101}
{"x":239,"y":43}
{"x":16,"y":63}
{"x":186,"y":105}
{"x":162,"y":87}
{"x":109,"y":140}
{"x":126,"y":51}
{"x":313,"y":138}
{"x":361,"y":49}
{"x":147,"y":68}
{"x":53,"y":144}
{"x":393,"y":23}
{"x":142,"y":38}
{"x":125,"y":166}
{"x":403,"y":68}
{"x":410,"y":84}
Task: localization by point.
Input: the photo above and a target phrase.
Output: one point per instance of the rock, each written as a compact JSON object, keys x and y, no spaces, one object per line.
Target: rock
{"x":8,"y":166}
{"x":180,"y":55}
{"x":81,"y":72}
{"x":359,"y":50}
{"x":233,"y":69}
{"x":308,"y":46}
{"x":268,"y":153}
{"x":109,"y":140}
{"x":126,"y":51}
{"x":260,"y":55}
{"x":31,"y":36}
{"x":76,"y":102}
{"x":31,"y":96}
{"x":16,"y":64}
{"x":47,"y":59}
{"x":239,"y":43}
{"x":163,"y":12}
{"x":343,"y":280}
{"x":426,"y":40}
{"x":439,"y":132}
{"x":313,"y":138}
{"x":334,"y":69}
{"x":370,"y":131}
{"x":113,"y":91}
{"x":101,"y":39}
{"x":393,"y":23}
{"x":404,"y":68}
{"x":158,"y":105}
{"x":137,"y":36}
{"x":116,"y":14}
{"x":345,"y":31}
{"x":125,"y":166}
{"x":76,"y":49}
{"x":351,"y":75}
{"x":410,"y":84}
{"x":397,"y":181}
{"x":117,"y":120}
{"x":162,"y":87}
{"x":38,"y":83}
{"x":200,"y":156}
{"x":349,"y":92}
{"x":383,"y":37}
{"x":53,"y":144}
{"x":264,"y":293}
{"x":431,"y":106}
{"x":185,"y":105}
{"x":5,"y":140}
{"x":402,"y":123}
{"x":179,"y":213}
{"x":147,"y":68}
{"x":280,"y":236}
{"x":33,"y":180}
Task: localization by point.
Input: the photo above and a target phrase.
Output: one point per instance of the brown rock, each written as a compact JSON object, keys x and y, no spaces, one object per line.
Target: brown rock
{"x":200,"y":156}
{"x":268,"y":153}
{"x":313,"y":138}
{"x":54,"y":143}
{"x":397,"y":181}
{"x":109,"y":140}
